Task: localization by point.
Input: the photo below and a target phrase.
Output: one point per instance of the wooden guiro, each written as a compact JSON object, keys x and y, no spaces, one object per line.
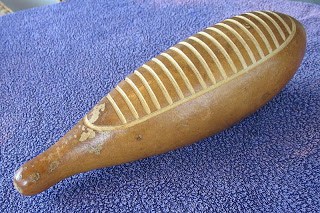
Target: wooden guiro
{"x":196,"y":88}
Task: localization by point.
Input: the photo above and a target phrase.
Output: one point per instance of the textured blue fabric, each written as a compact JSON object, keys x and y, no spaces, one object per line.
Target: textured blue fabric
{"x":57,"y":61}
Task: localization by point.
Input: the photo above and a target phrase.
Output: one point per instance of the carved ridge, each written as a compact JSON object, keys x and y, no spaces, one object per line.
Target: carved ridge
{"x":186,"y":81}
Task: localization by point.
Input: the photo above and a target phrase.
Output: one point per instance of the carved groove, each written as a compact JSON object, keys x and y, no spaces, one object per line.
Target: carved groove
{"x":149,"y":90}
{"x":248,"y":33}
{"x":234,"y":47}
{"x":242,"y":41}
{"x":140,"y":96}
{"x":193,"y":67}
{"x":201,"y":59}
{"x":274,"y":23}
{"x":263,"y":37}
{"x":160,"y":84}
{"x":169,"y":75}
{"x":180,"y":71}
{"x":128,"y":102}
{"x":223,"y":51}
{"x":213,"y":56}
{"x":116,"y":108}
{"x":282,"y":21}
{"x":242,"y":37}
{"x":274,"y":39}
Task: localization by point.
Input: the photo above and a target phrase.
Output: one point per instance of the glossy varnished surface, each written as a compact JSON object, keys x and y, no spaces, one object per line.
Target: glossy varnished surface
{"x":197,"y":88}
{"x":197,"y":65}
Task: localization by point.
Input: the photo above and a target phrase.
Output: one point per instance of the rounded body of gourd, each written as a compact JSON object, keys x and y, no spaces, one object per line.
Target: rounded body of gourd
{"x":197,"y":88}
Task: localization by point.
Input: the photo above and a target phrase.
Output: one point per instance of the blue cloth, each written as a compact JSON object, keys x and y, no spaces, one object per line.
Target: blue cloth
{"x":57,"y":61}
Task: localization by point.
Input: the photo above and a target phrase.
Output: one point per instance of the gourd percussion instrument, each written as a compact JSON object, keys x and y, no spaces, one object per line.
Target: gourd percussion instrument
{"x":196,"y":88}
